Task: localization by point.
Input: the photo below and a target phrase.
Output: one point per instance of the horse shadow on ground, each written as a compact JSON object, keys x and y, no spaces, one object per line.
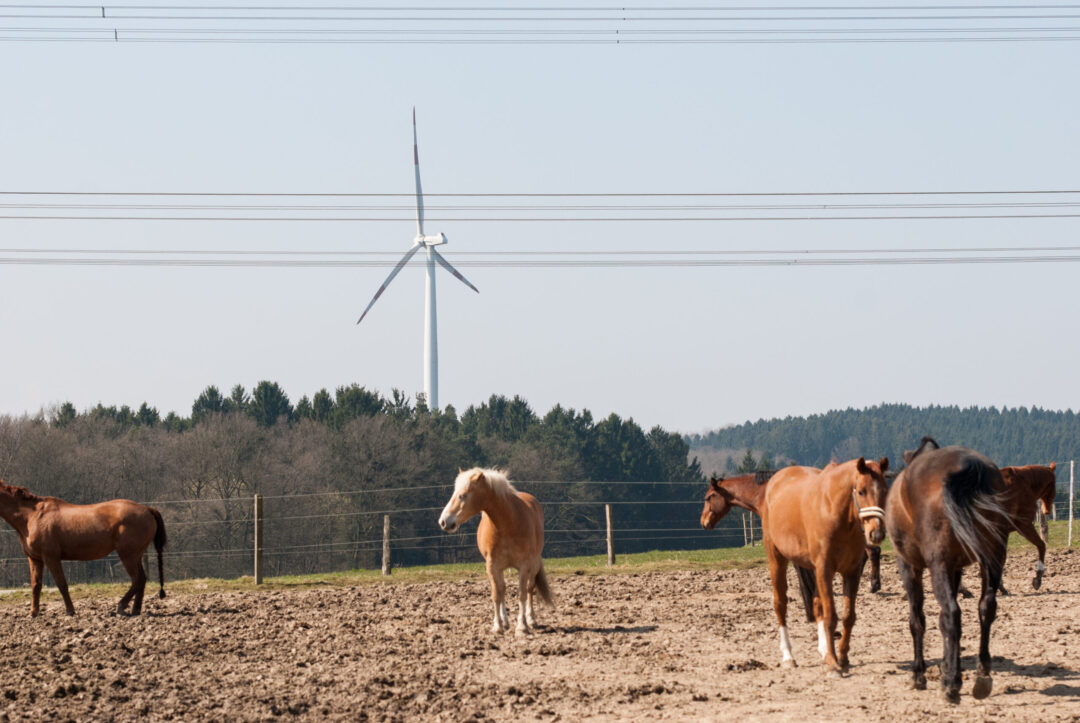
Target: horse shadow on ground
{"x":1034,"y":672}
{"x":613,"y":630}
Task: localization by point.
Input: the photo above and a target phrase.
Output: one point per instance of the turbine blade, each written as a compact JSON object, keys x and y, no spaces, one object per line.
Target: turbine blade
{"x":416,"y":167}
{"x":446,"y":265}
{"x":400,"y":265}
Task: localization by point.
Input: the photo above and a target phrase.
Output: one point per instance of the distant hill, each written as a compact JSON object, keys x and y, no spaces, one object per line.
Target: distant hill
{"x":1008,"y":436}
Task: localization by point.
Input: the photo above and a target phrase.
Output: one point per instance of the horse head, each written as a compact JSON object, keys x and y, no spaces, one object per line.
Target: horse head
{"x":868,"y":493}
{"x":717,"y":504}
{"x":470,"y":488}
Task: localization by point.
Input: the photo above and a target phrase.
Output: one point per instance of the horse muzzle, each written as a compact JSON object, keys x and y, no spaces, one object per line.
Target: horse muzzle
{"x":448,"y":524}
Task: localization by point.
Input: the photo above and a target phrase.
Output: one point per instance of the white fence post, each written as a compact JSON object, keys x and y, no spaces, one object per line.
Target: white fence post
{"x":258,"y":539}
{"x":1072,"y":465}
{"x":610,"y":538}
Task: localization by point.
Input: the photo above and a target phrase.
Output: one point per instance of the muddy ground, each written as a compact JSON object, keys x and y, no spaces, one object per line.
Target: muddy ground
{"x":694,"y":645}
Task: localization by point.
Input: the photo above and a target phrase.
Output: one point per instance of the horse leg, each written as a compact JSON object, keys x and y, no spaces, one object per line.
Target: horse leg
{"x":991,"y":576}
{"x":778,"y":573}
{"x":36,"y":573}
{"x":913,"y":586}
{"x":851,"y":587}
{"x":498,"y":598}
{"x":530,"y":600}
{"x":140,"y":588}
{"x":827,"y":622}
{"x":57,"y":571}
{"x":945,"y":591}
{"x":875,"y":568}
{"x":133,"y":565}
{"x":1027,"y":529}
{"x":525,"y":579}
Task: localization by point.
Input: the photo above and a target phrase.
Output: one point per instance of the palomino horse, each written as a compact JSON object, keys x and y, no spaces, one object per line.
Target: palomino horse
{"x":510,"y":534}
{"x":823,"y":519}
{"x":946,"y":510}
{"x":52,"y":530}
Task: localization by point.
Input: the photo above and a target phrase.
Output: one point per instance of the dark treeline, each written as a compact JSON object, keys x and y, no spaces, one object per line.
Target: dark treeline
{"x":329,"y":466}
{"x":1008,"y":436}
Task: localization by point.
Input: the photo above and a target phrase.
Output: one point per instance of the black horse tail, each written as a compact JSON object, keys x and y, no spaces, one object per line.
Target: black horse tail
{"x":159,"y":545}
{"x":543,"y":588}
{"x":974,"y":506}
{"x":808,"y":588}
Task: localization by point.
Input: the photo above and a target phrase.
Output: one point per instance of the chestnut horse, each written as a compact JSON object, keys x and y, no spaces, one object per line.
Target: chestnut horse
{"x":823,"y":519}
{"x":946,"y":510}
{"x":52,"y":530}
{"x":510,"y":534}
{"x":1028,"y":486}
{"x":746,"y":491}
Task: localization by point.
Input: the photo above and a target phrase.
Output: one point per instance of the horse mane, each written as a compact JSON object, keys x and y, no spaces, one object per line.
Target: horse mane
{"x":927,"y":442}
{"x":497,"y":479}
{"x":19,"y":493}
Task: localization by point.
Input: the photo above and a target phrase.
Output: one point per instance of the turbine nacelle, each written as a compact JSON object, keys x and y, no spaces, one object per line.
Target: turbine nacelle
{"x":430,"y":239}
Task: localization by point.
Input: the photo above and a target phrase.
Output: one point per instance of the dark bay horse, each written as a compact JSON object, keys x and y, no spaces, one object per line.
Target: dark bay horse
{"x":52,"y":530}
{"x":946,"y":510}
{"x":823,"y":520}
{"x":510,"y":534}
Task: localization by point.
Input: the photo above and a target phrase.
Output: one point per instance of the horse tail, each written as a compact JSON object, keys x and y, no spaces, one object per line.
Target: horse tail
{"x":159,"y":545}
{"x":808,"y":588}
{"x":976,"y":510}
{"x":543,"y":588}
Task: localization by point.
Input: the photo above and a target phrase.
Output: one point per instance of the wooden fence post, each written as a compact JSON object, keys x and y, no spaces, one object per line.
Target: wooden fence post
{"x":386,"y":545}
{"x":258,"y":539}
{"x":610,"y":539}
{"x":1072,"y":465}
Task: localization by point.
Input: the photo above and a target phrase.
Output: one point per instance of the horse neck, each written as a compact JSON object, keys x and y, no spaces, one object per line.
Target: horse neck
{"x":745,"y":492}
{"x":14,"y":510}
{"x":498,"y":507}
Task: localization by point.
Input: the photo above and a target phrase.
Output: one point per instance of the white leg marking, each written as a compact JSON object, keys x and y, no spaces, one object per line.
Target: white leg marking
{"x":785,"y":644}
{"x":1040,"y":567}
{"x":530,"y":611}
{"x":822,"y":640}
{"x":504,"y":619}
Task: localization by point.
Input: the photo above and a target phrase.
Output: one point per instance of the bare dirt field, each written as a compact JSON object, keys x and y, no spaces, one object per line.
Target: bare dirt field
{"x":685,"y":645}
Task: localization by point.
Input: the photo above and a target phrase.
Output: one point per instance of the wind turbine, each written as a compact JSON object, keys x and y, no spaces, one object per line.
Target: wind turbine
{"x":428,"y":243}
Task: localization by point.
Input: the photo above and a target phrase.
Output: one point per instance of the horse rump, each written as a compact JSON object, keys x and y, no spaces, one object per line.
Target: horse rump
{"x":973,"y":498}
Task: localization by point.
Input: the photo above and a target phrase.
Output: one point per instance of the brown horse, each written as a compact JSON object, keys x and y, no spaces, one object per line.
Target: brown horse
{"x":823,"y":519}
{"x":1027,"y":487}
{"x":747,"y":491}
{"x":52,"y":530}
{"x":510,"y":534}
{"x":946,"y":510}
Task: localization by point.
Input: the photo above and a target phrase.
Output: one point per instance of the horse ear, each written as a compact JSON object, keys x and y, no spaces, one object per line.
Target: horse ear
{"x":478,"y":476}
{"x":714,"y":482}
{"x":884,"y":464}
{"x":1053,"y":466}
{"x":460,"y":470}
{"x":860,"y":465}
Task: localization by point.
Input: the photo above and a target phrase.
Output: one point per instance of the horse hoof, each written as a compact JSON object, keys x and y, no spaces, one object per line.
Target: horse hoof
{"x":1037,"y":582}
{"x":833,"y":673}
{"x":983,"y":685}
{"x":788,"y":664}
{"x":919,"y":683}
{"x":950,"y":695}
{"x":875,"y":586}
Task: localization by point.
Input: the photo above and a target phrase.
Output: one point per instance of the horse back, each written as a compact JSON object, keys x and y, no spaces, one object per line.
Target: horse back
{"x":520,"y":534}
{"x":89,"y":532}
{"x":1027,"y":485}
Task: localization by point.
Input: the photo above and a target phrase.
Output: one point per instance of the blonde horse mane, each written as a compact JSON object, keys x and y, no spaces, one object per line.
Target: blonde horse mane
{"x":497,"y":479}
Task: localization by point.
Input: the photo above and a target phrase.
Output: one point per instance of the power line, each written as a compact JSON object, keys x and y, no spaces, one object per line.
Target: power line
{"x":412,"y":194}
{"x":536,"y":219}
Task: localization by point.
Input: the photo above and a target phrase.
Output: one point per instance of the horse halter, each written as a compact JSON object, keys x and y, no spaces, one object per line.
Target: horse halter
{"x":865,"y":512}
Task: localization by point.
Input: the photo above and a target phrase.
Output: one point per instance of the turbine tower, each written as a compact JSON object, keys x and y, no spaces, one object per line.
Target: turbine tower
{"x":428,"y":243}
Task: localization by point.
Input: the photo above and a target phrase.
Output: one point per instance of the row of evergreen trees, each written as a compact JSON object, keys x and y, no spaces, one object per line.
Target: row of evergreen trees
{"x":1009,"y":436}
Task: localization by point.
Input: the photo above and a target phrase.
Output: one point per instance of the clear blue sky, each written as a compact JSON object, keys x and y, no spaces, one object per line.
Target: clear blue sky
{"x":690,"y":348}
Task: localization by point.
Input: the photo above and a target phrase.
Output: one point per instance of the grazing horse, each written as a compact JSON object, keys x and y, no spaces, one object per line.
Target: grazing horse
{"x":823,"y":519}
{"x":946,"y":510}
{"x":52,"y":530}
{"x":510,"y":534}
